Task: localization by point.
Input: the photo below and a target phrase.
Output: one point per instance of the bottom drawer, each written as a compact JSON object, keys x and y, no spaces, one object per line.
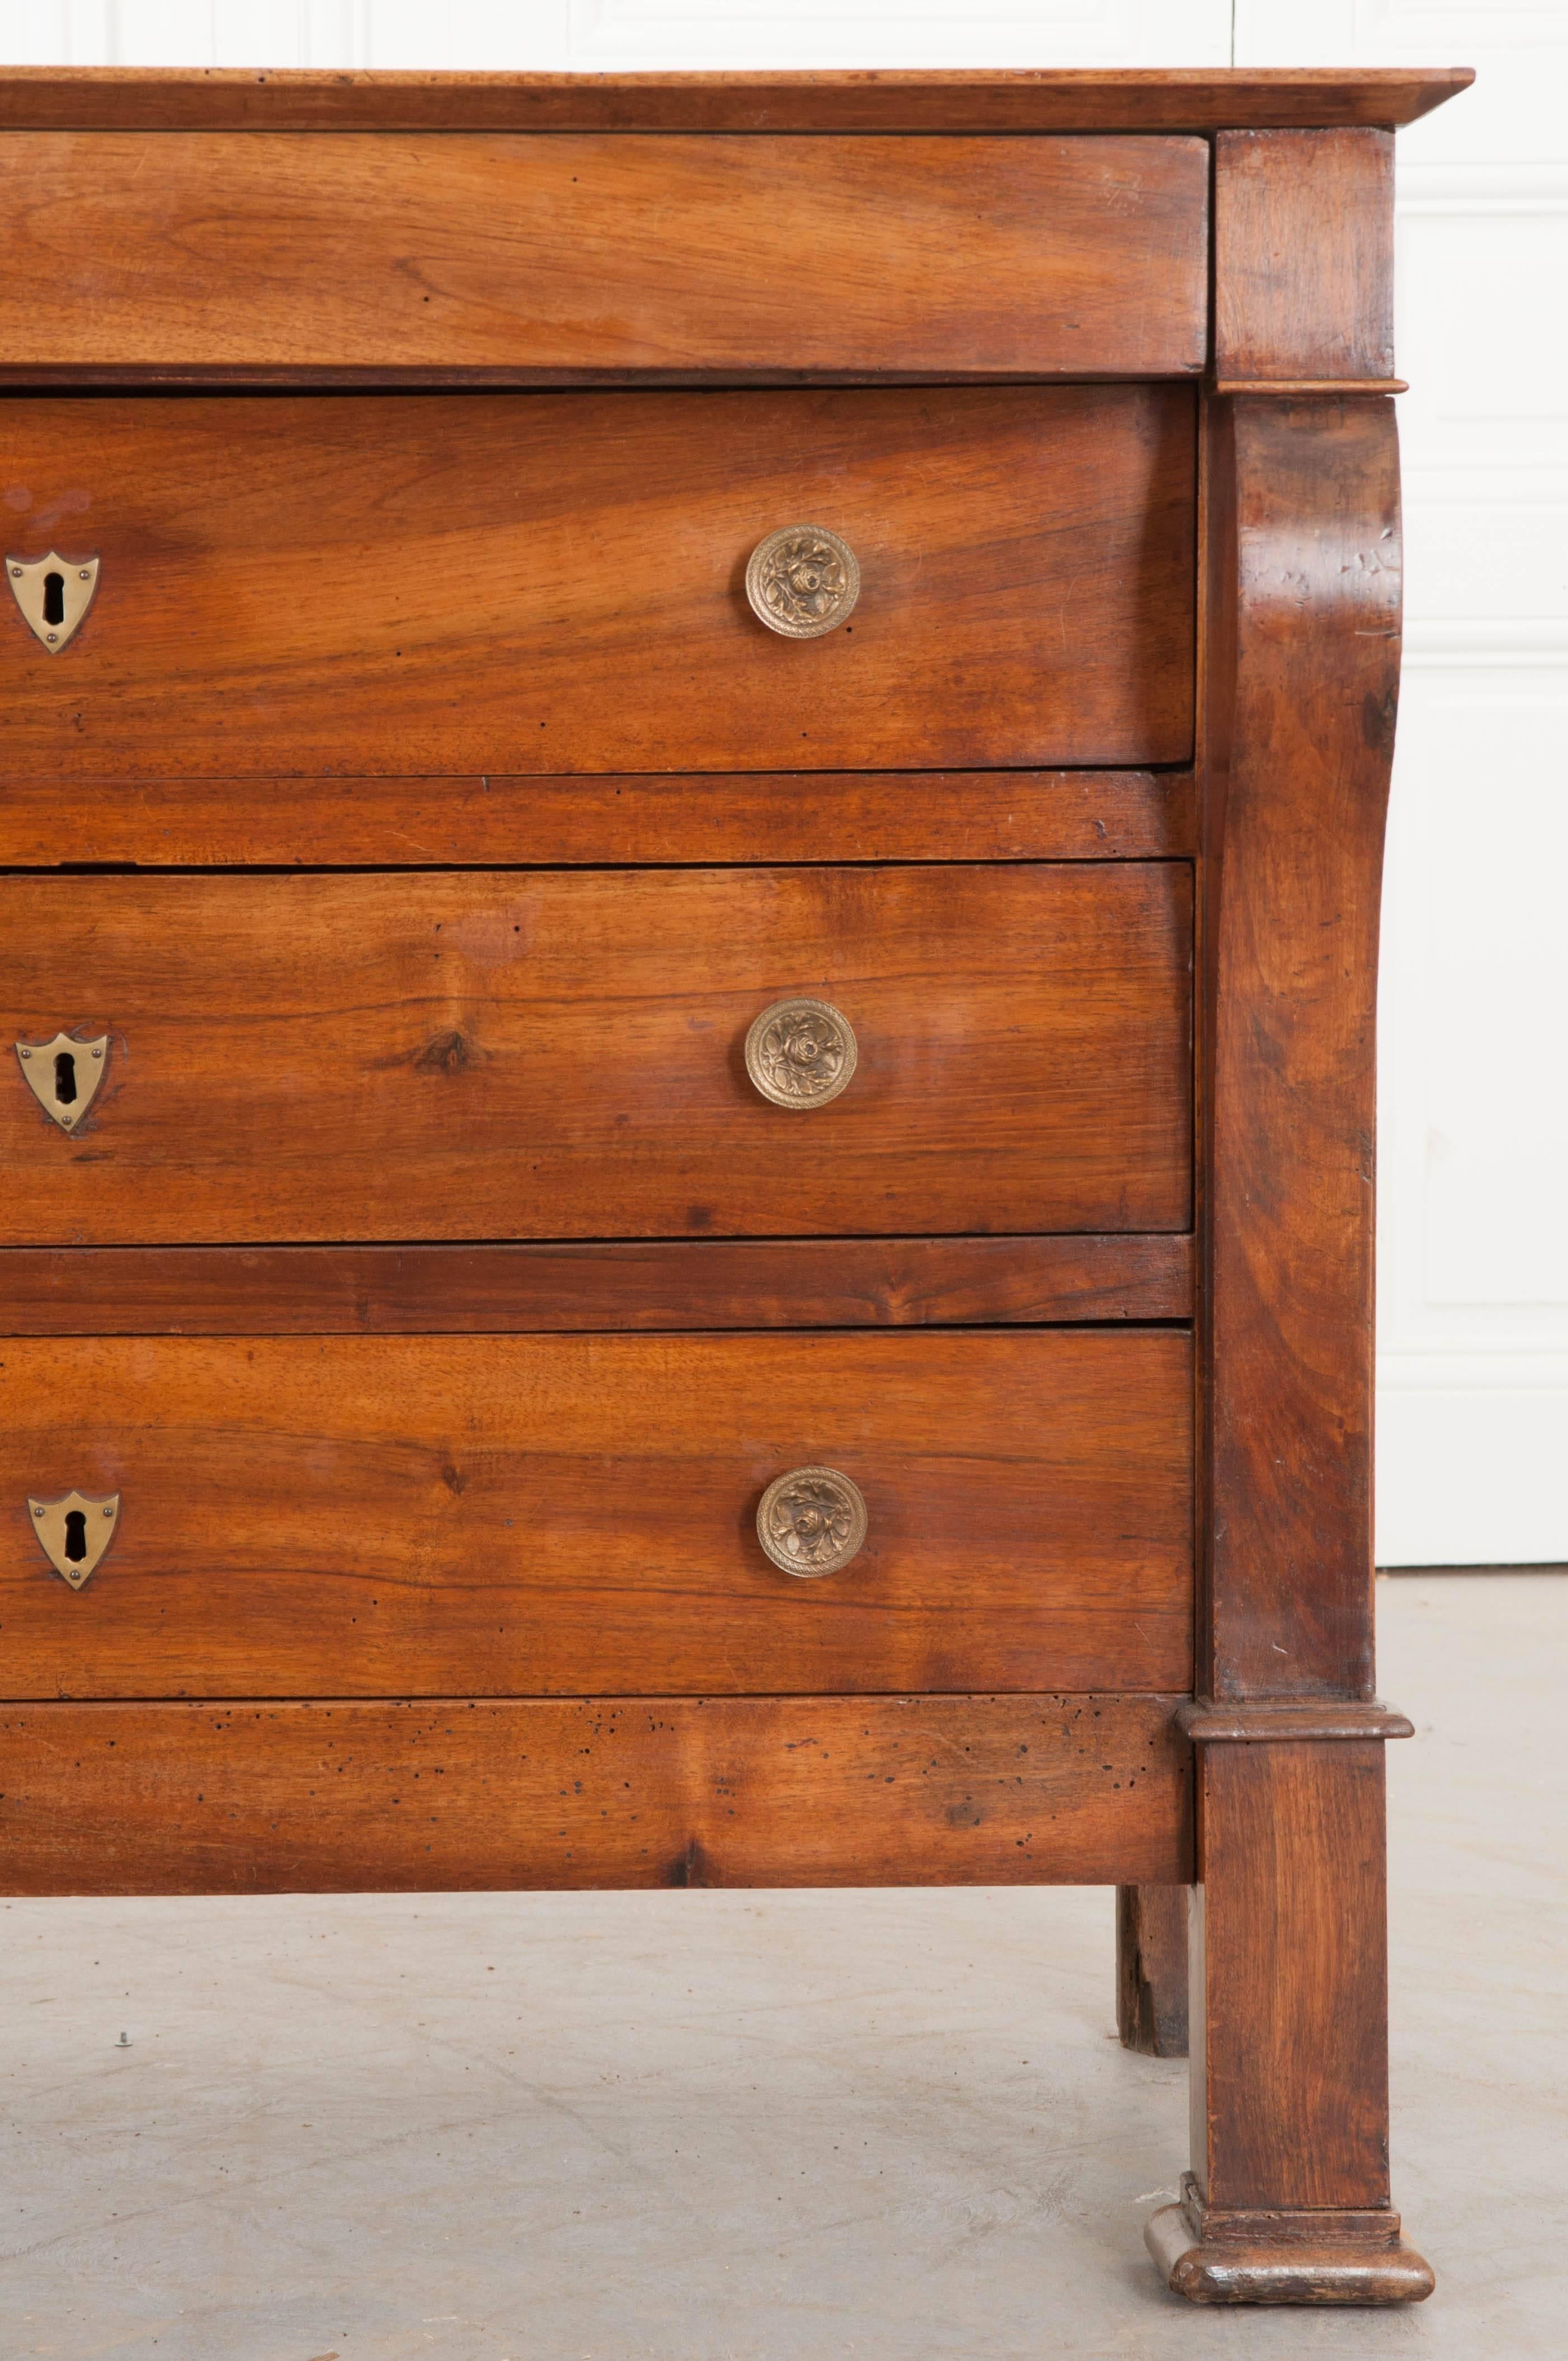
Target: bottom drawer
{"x":438,"y":1516}
{"x":593,"y":1792}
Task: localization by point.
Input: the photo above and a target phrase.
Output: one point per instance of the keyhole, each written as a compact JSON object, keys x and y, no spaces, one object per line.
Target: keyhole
{"x":75,"y":1535}
{"x":65,"y":1079}
{"x":54,"y":597}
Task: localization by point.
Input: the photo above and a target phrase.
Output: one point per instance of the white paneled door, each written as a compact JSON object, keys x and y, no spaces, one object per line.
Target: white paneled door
{"x":1473,"y":1403}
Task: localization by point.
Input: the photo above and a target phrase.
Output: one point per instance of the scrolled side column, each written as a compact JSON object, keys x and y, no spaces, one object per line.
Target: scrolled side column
{"x":1288,"y":2200}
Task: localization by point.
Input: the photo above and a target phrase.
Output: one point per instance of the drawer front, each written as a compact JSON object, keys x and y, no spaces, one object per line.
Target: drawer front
{"x":336,"y":1516}
{"x":562,"y":1054}
{"x":555,"y":583}
{"x":461,"y":256}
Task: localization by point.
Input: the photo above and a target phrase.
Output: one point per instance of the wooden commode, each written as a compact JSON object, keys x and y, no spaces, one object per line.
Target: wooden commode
{"x":692,"y":802}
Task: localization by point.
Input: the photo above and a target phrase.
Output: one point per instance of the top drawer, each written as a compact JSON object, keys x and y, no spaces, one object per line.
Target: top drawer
{"x":459,"y":257}
{"x":518,"y":583}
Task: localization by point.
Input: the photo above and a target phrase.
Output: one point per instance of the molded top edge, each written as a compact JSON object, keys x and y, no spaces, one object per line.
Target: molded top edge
{"x":63,"y":98}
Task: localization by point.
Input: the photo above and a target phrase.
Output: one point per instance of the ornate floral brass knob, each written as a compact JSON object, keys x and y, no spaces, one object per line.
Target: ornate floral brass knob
{"x":812,"y":1520}
{"x":801,"y":1053}
{"x":802,"y":581}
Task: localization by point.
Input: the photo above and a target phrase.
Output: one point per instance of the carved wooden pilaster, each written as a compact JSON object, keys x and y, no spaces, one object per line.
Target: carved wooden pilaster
{"x":1302,"y":662}
{"x":1288,"y":2200}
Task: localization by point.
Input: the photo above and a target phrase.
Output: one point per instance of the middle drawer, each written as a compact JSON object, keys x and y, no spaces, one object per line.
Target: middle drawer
{"x":562,"y":1054}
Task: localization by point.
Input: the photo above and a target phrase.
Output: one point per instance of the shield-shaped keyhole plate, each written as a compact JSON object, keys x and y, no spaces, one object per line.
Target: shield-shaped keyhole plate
{"x":53,"y":593}
{"x":63,"y":1074}
{"x":74,"y":1532}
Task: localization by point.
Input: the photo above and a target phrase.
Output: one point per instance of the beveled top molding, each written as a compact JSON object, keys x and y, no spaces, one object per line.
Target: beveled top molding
{"x":91,"y":98}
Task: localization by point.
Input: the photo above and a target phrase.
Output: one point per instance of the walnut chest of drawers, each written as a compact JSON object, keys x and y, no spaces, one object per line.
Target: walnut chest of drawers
{"x":693,"y":792}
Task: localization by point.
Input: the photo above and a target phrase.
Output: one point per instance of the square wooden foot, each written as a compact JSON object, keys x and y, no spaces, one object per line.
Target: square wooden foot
{"x":1211,"y":2257}
{"x":1151,"y":1970}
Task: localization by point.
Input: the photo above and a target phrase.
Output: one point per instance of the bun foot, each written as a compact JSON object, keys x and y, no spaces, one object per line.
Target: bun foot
{"x":1276,"y":2257}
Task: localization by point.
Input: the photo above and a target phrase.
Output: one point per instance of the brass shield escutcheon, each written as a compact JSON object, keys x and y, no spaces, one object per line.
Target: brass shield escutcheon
{"x":74,"y":1532}
{"x":53,"y":593}
{"x":63,"y":1074}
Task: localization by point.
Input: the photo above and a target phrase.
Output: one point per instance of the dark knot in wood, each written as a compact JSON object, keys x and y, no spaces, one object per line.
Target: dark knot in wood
{"x":448,"y":1053}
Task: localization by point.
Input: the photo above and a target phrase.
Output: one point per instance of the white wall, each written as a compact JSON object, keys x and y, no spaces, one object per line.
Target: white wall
{"x":600,"y":36}
{"x":1472,"y":1366}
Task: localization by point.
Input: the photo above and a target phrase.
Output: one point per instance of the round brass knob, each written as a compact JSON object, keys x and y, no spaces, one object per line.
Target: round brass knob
{"x":801,"y":1053}
{"x":802,"y":581}
{"x":811,"y":1521}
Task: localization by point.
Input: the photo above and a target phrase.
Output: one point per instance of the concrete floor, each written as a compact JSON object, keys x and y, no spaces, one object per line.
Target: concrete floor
{"x":751,"y":2127}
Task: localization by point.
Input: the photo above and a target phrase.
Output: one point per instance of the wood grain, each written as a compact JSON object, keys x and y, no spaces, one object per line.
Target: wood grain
{"x":590,"y":1792}
{"x":1302,"y":679}
{"x":1291,"y":2086}
{"x":1304,"y":256}
{"x":538,"y":1515}
{"x":584,"y":256}
{"x":285,"y":821}
{"x":47,"y":98}
{"x":665,"y":1284}
{"x":548,"y":582}
{"x":559,"y":1055}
